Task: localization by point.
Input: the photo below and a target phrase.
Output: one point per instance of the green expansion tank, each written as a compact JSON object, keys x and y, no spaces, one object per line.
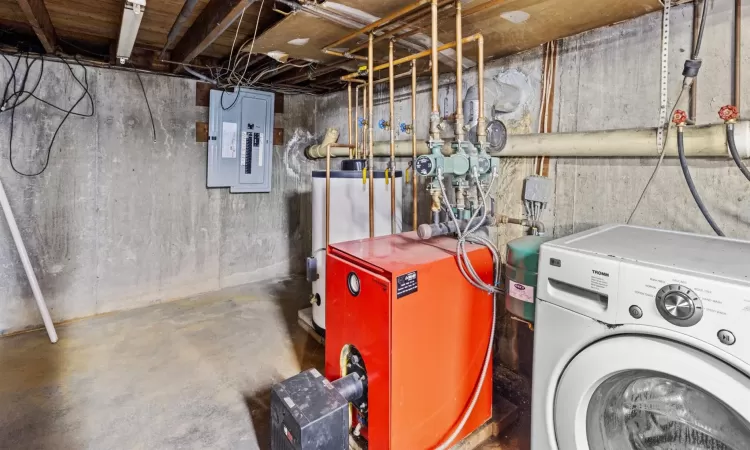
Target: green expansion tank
{"x":521,"y":276}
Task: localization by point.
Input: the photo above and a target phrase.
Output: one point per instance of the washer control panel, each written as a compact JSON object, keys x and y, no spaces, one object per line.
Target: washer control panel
{"x":679,"y":305}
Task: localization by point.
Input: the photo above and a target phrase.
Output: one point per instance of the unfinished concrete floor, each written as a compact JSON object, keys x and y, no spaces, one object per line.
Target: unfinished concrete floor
{"x":190,"y":374}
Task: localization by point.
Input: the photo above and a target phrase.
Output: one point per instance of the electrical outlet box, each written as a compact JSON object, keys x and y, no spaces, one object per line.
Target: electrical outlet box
{"x":537,"y":189}
{"x":240,"y":143}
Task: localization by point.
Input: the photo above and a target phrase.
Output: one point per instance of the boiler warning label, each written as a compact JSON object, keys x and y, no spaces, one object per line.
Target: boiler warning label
{"x":406,"y":284}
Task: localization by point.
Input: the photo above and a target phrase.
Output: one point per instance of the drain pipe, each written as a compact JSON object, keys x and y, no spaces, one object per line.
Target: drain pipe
{"x":706,"y":141}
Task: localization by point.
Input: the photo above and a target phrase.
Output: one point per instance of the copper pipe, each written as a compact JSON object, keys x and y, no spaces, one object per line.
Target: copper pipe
{"x":694,"y":86}
{"x":415,"y":182}
{"x":345,"y":55}
{"x":370,"y":119}
{"x":737,"y":53}
{"x":459,"y":76}
{"x":435,"y":115}
{"x":365,"y":106}
{"x":328,"y":188}
{"x":391,"y":96}
{"x":356,"y":124}
{"x":378,"y":24}
{"x":393,"y":33}
{"x":481,"y":121}
{"x":412,"y":57}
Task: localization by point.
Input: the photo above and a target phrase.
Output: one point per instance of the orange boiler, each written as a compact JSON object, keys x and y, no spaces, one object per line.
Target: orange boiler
{"x":401,"y":315}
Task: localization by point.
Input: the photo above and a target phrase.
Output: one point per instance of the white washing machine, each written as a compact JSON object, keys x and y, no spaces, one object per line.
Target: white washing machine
{"x":642,"y":341}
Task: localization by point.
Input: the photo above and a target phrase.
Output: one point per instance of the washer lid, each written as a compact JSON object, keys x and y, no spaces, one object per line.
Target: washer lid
{"x":635,"y":392}
{"x":710,"y":255}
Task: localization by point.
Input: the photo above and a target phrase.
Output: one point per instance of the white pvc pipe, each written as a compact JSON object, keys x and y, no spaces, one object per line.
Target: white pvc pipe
{"x":701,"y":141}
{"x":5,"y":205}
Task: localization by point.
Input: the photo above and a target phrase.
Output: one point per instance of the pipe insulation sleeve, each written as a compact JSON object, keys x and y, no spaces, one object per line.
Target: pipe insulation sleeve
{"x":707,"y":141}
{"x":319,"y":150}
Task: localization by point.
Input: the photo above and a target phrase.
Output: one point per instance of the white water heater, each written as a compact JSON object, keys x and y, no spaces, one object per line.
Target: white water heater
{"x":350,"y":219}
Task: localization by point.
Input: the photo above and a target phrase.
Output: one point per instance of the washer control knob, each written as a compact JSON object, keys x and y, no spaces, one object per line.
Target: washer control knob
{"x":679,"y":305}
{"x":636,"y":312}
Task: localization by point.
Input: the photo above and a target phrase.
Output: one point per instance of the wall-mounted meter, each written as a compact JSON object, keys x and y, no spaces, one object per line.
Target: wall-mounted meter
{"x":240,"y":143}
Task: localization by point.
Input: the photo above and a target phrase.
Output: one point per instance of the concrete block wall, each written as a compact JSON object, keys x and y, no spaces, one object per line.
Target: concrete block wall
{"x":608,"y":78}
{"x":118,"y":221}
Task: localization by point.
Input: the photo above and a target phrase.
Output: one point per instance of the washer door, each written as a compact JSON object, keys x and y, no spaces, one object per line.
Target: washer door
{"x":634,"y":392}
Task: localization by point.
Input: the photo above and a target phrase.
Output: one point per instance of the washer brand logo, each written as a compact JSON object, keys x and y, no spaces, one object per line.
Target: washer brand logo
{"x":520,"y":287}
{"x":604,"y":274}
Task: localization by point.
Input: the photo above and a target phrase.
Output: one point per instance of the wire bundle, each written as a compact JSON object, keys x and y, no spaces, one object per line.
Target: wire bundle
{"x":466,"y":268}
{"x":17,"y":92}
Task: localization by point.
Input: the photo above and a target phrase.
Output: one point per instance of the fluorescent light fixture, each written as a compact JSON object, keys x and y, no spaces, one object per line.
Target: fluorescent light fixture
{"x":131,"y":22}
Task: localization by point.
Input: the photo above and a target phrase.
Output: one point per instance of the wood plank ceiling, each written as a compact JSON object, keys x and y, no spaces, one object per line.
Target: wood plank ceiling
{"x":91,"y":28}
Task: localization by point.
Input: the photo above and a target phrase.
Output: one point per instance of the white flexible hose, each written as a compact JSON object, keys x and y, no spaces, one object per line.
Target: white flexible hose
{"x":462,"y":258}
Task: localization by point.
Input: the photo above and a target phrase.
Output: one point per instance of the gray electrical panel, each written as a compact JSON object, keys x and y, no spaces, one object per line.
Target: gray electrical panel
{"x":240,"y":136}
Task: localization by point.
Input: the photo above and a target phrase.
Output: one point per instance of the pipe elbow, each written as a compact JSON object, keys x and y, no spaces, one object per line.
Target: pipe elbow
{"x":319,"y":150}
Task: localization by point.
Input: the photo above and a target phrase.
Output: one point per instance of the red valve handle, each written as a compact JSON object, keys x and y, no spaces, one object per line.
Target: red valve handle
{"x":729,"y":113}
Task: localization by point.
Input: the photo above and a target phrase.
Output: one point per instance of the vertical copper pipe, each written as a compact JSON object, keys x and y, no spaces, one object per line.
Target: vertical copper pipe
{"x":694,"y":86}
{"x":459,"y":76}
{"x":481,"y":121}
{"x":737,"y":53}
{"x":435,"y":117}
{"x":392,"y":122}
{"x":356,"y":124}
{"x":328,"y":195}
{"x":349,"y":116}
{"x":364,"y":116}
{"x":370,"y":120}
{"x":415,"y":180}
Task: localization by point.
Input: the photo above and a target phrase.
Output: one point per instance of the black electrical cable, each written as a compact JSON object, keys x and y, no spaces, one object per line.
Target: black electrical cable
{"x":18,"y":93}
{"x":735,"y":154}
{"x":699,"y":40}
{"x":145,"y":96}
{"x":691,"y":185}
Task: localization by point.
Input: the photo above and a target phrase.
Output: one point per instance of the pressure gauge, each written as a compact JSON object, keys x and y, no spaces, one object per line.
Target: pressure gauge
{"x":424,"y":165}
{"x":484,"y":165}
{"x":497,"y":135}
{"x":352,"y":282}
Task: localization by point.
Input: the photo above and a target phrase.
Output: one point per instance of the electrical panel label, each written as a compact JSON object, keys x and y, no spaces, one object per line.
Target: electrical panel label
{"x":521,"y":292}
{"x":228,"y":140}
{"x":406,"y":284}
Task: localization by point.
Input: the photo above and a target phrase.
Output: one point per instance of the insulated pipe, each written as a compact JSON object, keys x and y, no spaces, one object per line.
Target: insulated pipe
{"x":459,"y":77}
{"x":703,"y":141}
{"x":415,"y":182}
{"x":26,"y":262}
{"x":392,"y":119}
{"x":435,"y":115}
{"x":371,"y":165}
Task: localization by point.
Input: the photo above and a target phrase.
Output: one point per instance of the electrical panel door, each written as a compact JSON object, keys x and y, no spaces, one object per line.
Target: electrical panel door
{"x":240,"y":140}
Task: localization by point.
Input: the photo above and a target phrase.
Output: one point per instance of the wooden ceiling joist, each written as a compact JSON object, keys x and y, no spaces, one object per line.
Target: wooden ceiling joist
{"x":215,"y":18}
{"x":38,"y":17}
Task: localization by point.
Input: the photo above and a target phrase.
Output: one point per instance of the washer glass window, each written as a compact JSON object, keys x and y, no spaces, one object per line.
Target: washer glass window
{"x":647,"y":410}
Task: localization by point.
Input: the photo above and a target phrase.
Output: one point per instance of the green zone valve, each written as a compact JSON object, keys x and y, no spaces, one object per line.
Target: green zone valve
{"x":458,"y":164}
